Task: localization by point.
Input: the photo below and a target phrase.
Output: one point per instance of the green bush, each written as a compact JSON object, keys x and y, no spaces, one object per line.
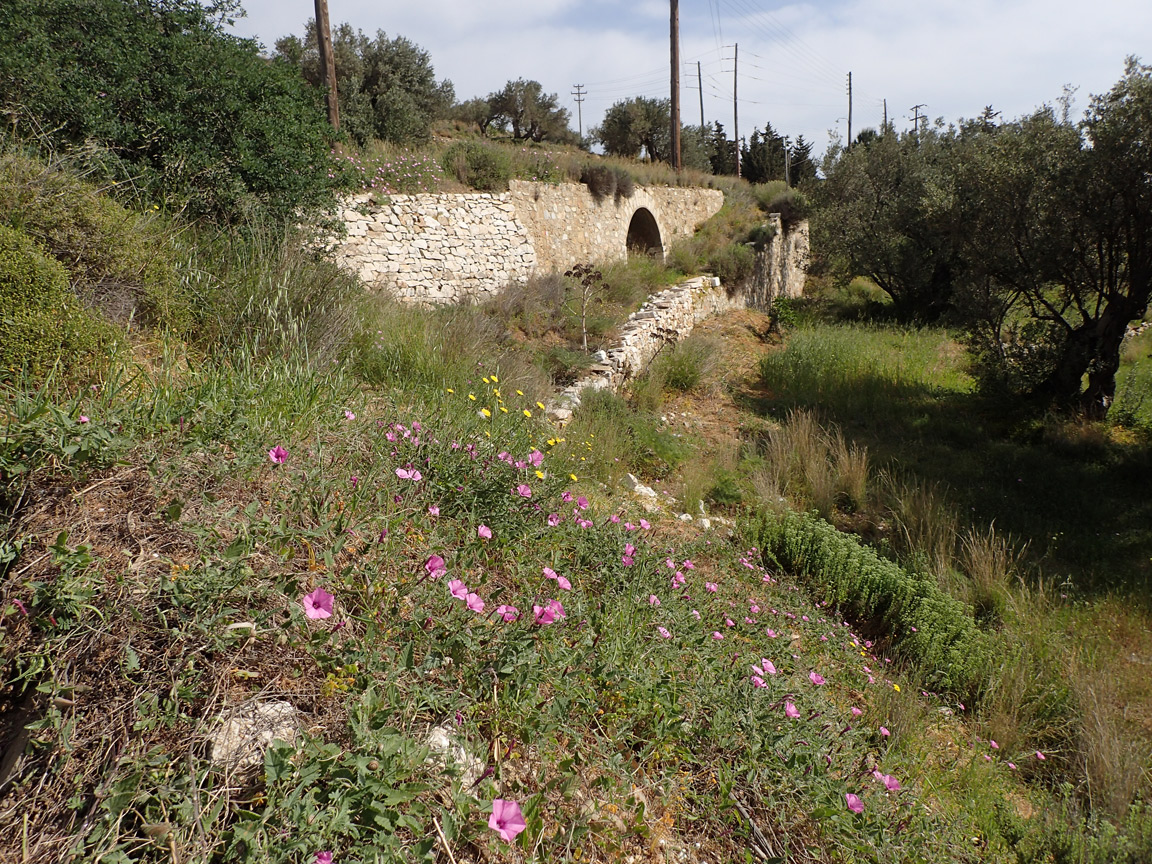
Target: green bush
{"x":119,"y":261}
{"x":478,"y":165}
{"x":43,"y":323}
{"x":200,"y":119}
{"x":931,"y":629}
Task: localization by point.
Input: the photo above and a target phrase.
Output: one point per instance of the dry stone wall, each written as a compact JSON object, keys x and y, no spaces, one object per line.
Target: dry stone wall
{"x":451,"y":248}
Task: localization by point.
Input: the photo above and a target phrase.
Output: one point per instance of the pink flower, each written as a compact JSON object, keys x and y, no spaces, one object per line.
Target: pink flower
{"x":1040,"y":756}
{"x":474,"y":602}
{"x":653,"y":600}
{"x":435,"y":566}
{"x":563,"y":583}
{"x":84,"y":419}
{"x":688,"y":565}
{"x":557,"y":608}
{"x":348,"y":415}
{"x":696,"y":614}
{"x":433,"y":510}
{"x":535,"y":458}
{"x":506,"y":819}
{"x":816,"y":678}
{"x":484,"y":532}
{"x":790,"y":711}
{"x":856,"y":712}
{"x":19,"y":604}
{"x":890,"y":782}
{"x":717,"y":635}
{"x":508,"y":613}
{"x":582,"y":503}
{"x":663,"y":631}
{"x":728,"y":622}
{"x":549,"y":573}
{"x":553,"y":519}
{"x":323,"y":858}
{"x":710,"y":587}
{"x":524,"y":490}
{"x":757,"y":681}
{"x":771,"y":633}
{"x":854,"y":802}
{"x":459,"y":589}
{"x":644,"y":524}
{"x":626,"y":560}
{"x":277,"y":454}
{"x":542,"y":615}
{"x":768,"y":667}
{"x":995,"y":746}
{"x":566,"y":497}
{"x":1012,"y":765}
{"x":629,"y":549}
{"x":318,"y":604}
{"x":884,"y":731}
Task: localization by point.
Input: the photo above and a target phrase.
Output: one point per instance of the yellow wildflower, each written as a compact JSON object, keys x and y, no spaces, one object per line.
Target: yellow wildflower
{"x":527,"y":413}
{"x":485,"y":412}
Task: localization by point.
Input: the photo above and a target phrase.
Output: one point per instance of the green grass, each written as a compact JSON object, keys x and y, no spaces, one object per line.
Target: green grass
{"x":905,"y":396}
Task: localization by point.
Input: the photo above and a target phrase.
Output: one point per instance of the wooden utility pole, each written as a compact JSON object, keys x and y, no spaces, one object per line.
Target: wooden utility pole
{"x":675,"y":120}
{"x":327,"y":63}
{"x":849,"y":109}
{"x":884,"y":128}
{"x":700,"y":84}
{"x":916,"y":119}
{"x":735,"y":109}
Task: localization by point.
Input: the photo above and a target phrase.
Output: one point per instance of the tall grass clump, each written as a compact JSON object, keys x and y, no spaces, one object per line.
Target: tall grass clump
{"x":688,"y":363}
{"x":811,"y":466}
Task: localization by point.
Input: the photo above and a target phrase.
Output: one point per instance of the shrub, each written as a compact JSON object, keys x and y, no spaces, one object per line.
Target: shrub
{"x":478,"y":165}
{"x":600,"y":180}
{"x":200,"y":118}
{"x":119,"y":261}
{"x":927,"y":626}
{"x":43,"y":323}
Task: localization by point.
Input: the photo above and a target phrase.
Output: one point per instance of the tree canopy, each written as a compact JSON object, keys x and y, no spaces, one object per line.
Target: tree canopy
{"x":387,"y":87}
{"x":1035,"y":235}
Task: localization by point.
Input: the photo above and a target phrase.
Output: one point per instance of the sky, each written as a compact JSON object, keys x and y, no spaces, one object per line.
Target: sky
{"x":792,"y":59}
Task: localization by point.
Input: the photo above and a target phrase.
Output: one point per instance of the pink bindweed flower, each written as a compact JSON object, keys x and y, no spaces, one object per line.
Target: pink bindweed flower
{"x":816,"y":678}
{"x":584,"y":523}
{"x":710,"y":587}
{"x":717,"y":635}
{"x":543,"y":614}
{"x":644,"y":524}
{"x":435,"y":566}
{"x":348,"y":415}
{"x":323,"y":858}
{"x":484,"y":532}
{"x":728,"y":622}
{"x":854,"y":802}
{"x":995,"y":746}
{"x":884,"y":731}
{"x":1040,"y":756}
{"x":757,"y":681}
{"x":663,"y":631}
{"x":318,"y":604}
{"x":696,"y":614}
{"x":524,"y":490}
{"x":553,"y":519}
{"x":768,"y":666}
{"x":1012,"y":765}
{"x":19,"y":604}
{"x":549,"y":573}
{"x":508,"y":613}
{"x":790,"y":711}
{"x":890,"y":782}
{"x":582,"y":503}
{"x":771,"y":633}
{"x":856,"y":712}
{"x":535,"y":458}
{"x":506,"y":819}
{"x":474,"y":602}
{"x":433,"y":510}
{"x":688,"y":565}
{"x":563,"y":583}
{"x":653,"y":600}
{"x":614,"y":519}
{"x":277,"y":454}
{"x":566,"y":497}
{"x":557,"y":608}
{"x":626,"y":560}
{"x":458,"y":589}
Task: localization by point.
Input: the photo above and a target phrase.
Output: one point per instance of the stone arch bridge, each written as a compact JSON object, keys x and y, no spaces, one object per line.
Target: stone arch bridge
{"x":452,"y":248}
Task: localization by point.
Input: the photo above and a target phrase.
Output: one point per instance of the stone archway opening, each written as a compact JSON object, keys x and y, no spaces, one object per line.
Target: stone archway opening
{"x":644,"y":235}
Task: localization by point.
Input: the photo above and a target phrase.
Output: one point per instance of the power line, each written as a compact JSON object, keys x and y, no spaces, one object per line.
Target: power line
{"x":580,"y":96}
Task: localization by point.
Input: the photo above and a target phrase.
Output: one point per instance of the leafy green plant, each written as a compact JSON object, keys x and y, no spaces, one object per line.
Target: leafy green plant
{"x":480,"y":166}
